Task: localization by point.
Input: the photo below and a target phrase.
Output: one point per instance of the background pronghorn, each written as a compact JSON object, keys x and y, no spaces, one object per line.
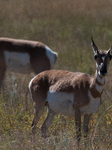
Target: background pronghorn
{"x":69,"y":93}
{"x":23,"y":56}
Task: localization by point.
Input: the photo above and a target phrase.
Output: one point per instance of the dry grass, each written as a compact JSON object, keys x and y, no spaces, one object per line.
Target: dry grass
{"x":66,"y":27}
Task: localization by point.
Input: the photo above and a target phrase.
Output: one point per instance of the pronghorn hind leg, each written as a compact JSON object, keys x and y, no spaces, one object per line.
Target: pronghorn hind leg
{"x":38,"y":110}
{"x":86,"y":123}
{"x":48,"y":121}
{"x":78,"y":124}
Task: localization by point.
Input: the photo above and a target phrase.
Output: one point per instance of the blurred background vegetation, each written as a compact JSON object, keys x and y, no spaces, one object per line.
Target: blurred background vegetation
{"x":66,"y":27}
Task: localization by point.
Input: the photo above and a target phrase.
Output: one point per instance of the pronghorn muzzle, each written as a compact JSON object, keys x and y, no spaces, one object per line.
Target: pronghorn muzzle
{"x":103,"y":70}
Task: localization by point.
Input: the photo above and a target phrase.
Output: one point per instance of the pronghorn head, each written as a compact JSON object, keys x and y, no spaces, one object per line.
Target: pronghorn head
{"x":102,"y":59}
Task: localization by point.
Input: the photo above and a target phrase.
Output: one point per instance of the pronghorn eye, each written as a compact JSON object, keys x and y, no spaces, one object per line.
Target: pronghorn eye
{"x":95,"y":56}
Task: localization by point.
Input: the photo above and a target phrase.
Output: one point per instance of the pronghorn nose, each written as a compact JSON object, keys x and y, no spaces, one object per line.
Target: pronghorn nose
{"x":103,"y":70}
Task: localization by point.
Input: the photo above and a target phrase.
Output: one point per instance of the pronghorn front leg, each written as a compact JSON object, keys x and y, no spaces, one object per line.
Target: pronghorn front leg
{"x":86,"y":123}
{"x":78,"y":123}
{"x":2,"y":74}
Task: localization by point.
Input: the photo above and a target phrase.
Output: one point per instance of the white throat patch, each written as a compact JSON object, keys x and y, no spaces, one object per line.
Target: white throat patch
{"x":101,"y":80}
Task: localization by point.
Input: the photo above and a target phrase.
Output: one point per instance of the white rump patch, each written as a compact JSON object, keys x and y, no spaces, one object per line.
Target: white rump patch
{"x":53,"y":56}
{"x":17,"y":62}
{"x":61,"y":102}
{"x":31,"y":82}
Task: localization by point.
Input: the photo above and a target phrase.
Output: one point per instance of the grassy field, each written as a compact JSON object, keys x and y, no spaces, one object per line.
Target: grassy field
{"x":66,"y":27}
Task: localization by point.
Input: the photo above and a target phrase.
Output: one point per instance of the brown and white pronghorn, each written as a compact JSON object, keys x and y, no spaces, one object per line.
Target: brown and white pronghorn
{"x":69,"y":93}
{"x":23,"y":56}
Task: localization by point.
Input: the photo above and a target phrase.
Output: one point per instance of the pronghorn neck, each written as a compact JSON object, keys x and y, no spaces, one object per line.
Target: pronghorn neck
{"x":100,"y":80}
{"x":97,"y":85}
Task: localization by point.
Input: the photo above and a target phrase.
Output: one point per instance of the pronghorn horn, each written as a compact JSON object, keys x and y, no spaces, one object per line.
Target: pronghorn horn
{"x":110,"y":50}
{"x":95,"y":49}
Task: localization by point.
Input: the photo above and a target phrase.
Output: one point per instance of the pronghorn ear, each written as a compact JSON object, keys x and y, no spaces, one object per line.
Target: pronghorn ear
{"x":110,"y":52}
{"x":95,"y":49}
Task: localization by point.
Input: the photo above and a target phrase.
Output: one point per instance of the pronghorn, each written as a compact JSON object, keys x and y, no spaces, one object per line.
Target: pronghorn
{"x":69,"y":93}
{"x":23,"y":56}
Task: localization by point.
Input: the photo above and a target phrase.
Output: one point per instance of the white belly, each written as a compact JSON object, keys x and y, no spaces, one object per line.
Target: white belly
{"x":18,"y":62}
{"x":61,"y":103}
